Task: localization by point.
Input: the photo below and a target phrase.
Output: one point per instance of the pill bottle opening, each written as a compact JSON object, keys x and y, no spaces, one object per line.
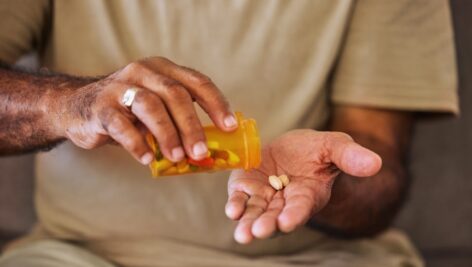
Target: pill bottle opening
{"x":251,"y":141}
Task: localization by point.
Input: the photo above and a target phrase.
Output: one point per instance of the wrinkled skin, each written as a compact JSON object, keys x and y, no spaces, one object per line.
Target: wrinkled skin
{"x":163,"y":105}
{"x":312,"y":160}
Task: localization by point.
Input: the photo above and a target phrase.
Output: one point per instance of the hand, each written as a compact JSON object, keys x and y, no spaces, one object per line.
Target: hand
{"x":94,"y":115}
{"x":311,"y":160}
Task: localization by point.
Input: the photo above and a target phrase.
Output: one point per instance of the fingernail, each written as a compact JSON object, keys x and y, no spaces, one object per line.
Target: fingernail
{"x":230,"y":121}
{"x":147,"y":158}
{"x":177,"y":153}
{"x":199,"y":149}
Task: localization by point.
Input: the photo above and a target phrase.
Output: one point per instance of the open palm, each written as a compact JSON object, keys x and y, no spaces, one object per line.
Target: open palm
{"x":311,"y":160}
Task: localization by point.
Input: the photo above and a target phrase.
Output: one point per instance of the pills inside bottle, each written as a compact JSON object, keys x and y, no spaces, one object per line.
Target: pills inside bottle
{"x":226,"y":150}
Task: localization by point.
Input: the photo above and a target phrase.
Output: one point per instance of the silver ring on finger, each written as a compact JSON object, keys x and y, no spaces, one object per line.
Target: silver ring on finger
{"x":129,"y":96}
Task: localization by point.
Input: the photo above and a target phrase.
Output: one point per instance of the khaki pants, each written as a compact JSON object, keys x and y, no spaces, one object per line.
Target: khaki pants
{"x":391,"y":249}
{"x":51,"y":253}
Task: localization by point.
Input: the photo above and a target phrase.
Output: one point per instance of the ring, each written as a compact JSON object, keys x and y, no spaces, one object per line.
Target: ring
{"x":128,"y":96}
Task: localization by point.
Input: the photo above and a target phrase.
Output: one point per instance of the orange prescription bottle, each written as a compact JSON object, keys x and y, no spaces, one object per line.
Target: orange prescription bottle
{"x":240,"y":149}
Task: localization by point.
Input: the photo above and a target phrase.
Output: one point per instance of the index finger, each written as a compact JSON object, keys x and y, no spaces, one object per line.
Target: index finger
{"x":236,"y":204}
{"x":204,"y":91}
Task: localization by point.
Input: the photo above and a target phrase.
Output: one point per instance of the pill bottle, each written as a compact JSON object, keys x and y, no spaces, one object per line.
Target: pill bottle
{"x":239,"y":149}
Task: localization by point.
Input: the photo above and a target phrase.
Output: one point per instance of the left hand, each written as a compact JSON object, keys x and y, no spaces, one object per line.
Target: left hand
{"x":311,"y":160}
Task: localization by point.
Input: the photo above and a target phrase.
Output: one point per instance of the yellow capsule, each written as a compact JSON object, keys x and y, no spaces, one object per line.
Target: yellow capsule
{"x":183,"y":167}
{"x":213,"y":145}
{"x":163,"y":164}
{"x":171,"y":170}
{"x":153,"y":168}
{"x":182,"y":163}
{"x":233,"y":159}
{"x":220,"y":163}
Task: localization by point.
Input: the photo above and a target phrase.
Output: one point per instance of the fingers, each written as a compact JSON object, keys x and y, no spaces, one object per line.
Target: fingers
{"x":203,"y":90}
{"x":302,"y":199}
{"x":150,"y":110}
{"x":236,"y":205}
{"x":122,"y":130}
{"x":350,"y":157}
{"x":176,"y":87}
{"x":179,"y":104}
{"x":164,"y":104}
{"x":255,"y":206}
{"x":266,"y":224}
{"x":296,"y":212}
{"x":259,"y":218}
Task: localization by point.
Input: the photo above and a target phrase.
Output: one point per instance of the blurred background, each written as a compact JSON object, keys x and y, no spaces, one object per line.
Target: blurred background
{"x":438,"y":214}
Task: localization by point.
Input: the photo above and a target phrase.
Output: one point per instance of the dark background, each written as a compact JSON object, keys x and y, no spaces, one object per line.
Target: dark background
{"x":438,"y":214}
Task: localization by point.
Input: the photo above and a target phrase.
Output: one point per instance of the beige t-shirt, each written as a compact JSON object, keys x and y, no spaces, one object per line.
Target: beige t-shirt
{"x":280,"y":62}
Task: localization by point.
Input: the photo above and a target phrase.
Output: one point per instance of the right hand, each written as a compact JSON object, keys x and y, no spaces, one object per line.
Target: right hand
{"x":94,"y":114}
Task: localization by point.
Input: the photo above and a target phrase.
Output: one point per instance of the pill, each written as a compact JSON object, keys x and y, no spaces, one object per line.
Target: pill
{"x":217,"y":158}
{"x":154,"y":170}
{"x":221,"y":154}
{"x":275,"y":182}
{"x":284,"y":179}
{"x":170,"y":171}
{"x":206,"y":162}
{"x":163,"y":164}
{"x":233,"y":159}
{"x":220,"y":163}
{"x":183,"y":166}
{"x":213,"y":145}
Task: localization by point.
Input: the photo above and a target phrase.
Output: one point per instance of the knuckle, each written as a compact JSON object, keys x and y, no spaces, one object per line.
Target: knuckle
{"x":133,"y":68}
{"x":132,"y":144}
{"x":170,"y":83}
{"x":135,"y":145}
{"x":165,"y":125}
{"x":169,"y":141}
{"x":342,"y":136}
{"x":198,"y":78}
{"x":192,"y":127}
{"x":146,"y":99}
{"x":105,"y":116}
{"x":215,"y":102}
{"x":175,"y":91}
{"x":116,"y":125}
{"x":150,"y":104}
{"x":191,"y":121}
{"x":219,"y":101}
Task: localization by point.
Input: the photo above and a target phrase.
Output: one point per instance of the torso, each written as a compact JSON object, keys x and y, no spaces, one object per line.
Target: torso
{"x":271,"y":59}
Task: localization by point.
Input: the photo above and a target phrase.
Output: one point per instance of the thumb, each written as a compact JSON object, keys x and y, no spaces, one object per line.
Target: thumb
{"x":351,"y":157}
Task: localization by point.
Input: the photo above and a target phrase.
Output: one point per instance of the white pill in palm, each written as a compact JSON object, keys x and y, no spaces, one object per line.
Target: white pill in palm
{"x":275,"y":182}
{"x":284,"y":179}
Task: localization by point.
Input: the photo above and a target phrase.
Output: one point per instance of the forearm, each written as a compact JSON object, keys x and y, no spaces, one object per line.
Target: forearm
{"x":366,"y":206}
{"x":29,"y":107}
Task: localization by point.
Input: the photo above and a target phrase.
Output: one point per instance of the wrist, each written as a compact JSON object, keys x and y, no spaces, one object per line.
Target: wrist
{"x":53,"y":112}
{"x":58,"y":108}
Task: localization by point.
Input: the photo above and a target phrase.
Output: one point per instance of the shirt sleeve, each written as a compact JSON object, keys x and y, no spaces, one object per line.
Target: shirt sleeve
{"x":398,"y":54}
{"x":22,"y":27}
